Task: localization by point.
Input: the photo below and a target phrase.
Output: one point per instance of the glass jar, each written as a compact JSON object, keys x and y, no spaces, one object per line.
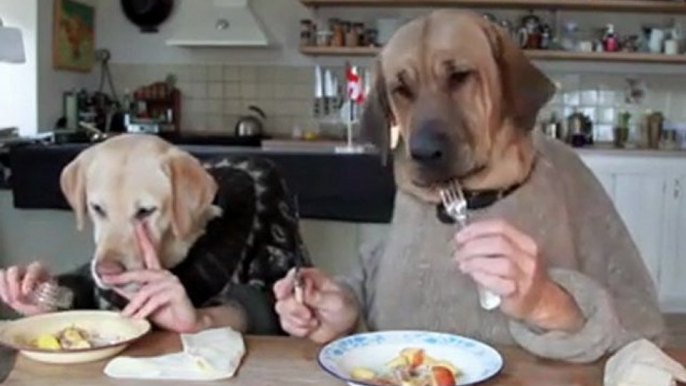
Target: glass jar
{"x":305,"y":32}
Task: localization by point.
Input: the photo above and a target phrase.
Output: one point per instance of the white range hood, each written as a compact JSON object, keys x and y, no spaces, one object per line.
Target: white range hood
{"x":207,"y":23}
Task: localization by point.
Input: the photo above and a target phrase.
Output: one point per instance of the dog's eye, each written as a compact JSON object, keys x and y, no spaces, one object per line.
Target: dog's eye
{"x":403,"y":91}
{"x":99,"y":210}
{"x":143,"y":213}
{"x":457,"y":78}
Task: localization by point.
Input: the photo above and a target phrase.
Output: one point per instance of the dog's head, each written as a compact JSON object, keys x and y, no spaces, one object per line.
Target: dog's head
{"x":131,"y":179}
{"x":464,"y":98}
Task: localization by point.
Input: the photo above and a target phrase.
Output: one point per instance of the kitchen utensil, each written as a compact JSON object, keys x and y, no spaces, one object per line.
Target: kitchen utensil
{"x":148,"y":15}
{"x":476,"y":360}
{"x":251,"y":125}
{"x":108,"y":325}
{"x":299,"y":259}
{"x":318,"y":91}
{"x":455,"y":206}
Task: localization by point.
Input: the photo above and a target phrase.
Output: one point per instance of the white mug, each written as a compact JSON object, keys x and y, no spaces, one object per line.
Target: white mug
{"x":585,"y":46}
{"x":671,"y":47}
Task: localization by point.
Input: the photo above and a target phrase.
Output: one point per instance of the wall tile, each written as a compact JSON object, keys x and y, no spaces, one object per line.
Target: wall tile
{"x":215,"y":91}
{"x":215,"y":73}
{"x":232,"y":91}
{"x":281,"y":91}
{"x":248,"y":90}
{"x":214,"y":106}
{"x":265,"y":90}
{"x":199,"y":90}
{"x":248,"y":74}
{"x":199,"y":73}
{"x":232,"y":73}
{"x":232,"y":106}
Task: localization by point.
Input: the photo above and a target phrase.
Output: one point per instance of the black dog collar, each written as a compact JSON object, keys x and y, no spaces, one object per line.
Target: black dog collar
{"x":477,"y":199}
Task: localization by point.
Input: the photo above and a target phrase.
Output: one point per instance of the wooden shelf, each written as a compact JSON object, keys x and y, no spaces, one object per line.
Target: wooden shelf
{"x":339,"y":51}
{"x":624,"y":57}
{"x":642,"y":6}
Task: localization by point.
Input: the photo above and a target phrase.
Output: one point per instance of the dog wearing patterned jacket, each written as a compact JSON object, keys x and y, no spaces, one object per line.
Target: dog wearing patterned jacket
{"x":226,"y":229}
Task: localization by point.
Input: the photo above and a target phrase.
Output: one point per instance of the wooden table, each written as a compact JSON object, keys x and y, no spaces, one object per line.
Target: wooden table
{"x":286,"y":362}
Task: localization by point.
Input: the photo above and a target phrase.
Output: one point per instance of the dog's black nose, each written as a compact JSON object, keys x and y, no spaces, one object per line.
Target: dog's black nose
{"x":429,"y":143}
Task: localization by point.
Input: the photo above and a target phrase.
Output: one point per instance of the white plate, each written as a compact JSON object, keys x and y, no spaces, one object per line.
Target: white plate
{"x":476,"y":360}
{"x":110,"y":325}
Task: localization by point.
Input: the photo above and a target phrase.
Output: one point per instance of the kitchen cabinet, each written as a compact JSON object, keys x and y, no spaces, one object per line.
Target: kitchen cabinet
{"x":648,"y":193}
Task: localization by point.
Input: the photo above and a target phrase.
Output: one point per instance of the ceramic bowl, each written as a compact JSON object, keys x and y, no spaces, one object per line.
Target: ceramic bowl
{"x":477,"y":361}
{"x":109,"y":325}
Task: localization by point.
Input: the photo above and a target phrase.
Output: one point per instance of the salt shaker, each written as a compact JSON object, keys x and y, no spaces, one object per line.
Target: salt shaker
{"x":49,"y":296}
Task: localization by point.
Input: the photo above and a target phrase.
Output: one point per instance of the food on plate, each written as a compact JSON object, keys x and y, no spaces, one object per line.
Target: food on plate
{"x":70,"y":338}
{"x":412,"y":367}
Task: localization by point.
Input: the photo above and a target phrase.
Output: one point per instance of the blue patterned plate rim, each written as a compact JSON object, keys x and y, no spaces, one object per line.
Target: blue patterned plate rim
{"x":349,"y":380}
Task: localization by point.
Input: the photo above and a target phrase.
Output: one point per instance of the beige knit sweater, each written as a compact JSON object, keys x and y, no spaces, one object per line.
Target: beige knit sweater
{"x":409,"y":280}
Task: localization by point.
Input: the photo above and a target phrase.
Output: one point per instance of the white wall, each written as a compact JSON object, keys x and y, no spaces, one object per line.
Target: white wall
{"x":18,"y":82}
{"x":53,"y":83}
{"x":31,"y":93}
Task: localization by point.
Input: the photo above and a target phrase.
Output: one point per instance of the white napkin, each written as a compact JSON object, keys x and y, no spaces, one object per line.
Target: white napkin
{"x":207,"y":356}
{"x":642,"y":363}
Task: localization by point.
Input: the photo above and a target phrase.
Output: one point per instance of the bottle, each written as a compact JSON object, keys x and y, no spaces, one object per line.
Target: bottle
{"x":126,"y":105}
{"x":610,"y":42}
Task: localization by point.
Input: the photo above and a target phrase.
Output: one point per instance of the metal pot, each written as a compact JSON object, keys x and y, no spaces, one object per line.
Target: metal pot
{"x":251,"y":125}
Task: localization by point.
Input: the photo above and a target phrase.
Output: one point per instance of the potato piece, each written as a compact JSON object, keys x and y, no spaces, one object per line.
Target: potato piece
{"x":47,"y":342}
{"x":363,"y":374}
{"x":74,"y":339}
{"x":442,"y":376}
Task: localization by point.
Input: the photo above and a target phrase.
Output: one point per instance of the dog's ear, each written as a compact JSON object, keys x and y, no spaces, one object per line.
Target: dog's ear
{"x":525,"y":88}
{"x":377,"y":117}
{"x":193,"y":190}
{"x":73,"y":184}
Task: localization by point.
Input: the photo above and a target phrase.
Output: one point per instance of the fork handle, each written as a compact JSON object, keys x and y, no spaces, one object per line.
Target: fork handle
{"x":489,"y":301}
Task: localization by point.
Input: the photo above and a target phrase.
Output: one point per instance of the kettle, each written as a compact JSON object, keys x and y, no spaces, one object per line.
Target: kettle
{"x":251,"y":125}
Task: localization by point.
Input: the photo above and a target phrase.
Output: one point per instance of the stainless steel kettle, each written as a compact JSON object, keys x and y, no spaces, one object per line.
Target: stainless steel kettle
{"x":251,"y":125}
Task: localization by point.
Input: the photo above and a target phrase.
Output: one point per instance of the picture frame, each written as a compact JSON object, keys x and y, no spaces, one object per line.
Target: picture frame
{"x":73,"y":46}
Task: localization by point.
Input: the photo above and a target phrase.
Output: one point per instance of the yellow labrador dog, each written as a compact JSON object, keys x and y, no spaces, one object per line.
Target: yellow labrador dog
{"x":186,"y":244}
{"x":132,"y":178}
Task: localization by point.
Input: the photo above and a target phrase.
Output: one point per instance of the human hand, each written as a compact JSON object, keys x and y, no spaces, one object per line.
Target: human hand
{"x":161,"y":296}
{"x":17,"y":283}
{"x":507,"y":262}
{"x":327,"y":310}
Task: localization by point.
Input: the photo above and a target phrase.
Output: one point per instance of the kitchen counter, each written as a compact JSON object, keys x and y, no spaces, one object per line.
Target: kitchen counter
{"x":330,"y":186}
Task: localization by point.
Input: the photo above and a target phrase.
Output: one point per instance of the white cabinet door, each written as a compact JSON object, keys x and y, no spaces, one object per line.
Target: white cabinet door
{"x":640,"y":201}
{"x":673,"y":265}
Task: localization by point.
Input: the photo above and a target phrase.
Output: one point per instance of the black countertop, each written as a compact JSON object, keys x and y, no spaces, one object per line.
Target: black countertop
{"x":339,"y":187}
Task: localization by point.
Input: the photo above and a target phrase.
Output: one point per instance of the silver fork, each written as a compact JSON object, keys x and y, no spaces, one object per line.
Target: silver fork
{"x":455,"y":206}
